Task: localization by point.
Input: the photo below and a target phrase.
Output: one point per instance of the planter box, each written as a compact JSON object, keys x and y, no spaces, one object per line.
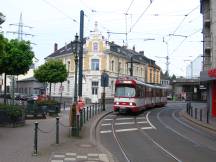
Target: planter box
{"x":6,"y":121}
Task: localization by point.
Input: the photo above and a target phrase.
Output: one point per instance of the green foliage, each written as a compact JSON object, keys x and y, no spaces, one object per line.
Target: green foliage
{"x":3,"y":44}
{"x":16,"y":57}
{"x":13,"y":111}
{"x":53,"y":71}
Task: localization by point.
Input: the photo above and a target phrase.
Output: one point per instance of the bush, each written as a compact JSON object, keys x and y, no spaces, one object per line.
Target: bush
{"x":13,"y":111}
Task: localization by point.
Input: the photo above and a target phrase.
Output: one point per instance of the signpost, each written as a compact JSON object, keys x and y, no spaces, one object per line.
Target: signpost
{"x":104,"y":83}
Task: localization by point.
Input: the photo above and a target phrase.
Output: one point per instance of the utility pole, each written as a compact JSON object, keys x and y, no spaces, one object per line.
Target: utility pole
{"x":167,"y":57}
{"x":20,"y":32}
{"x":81,"y":53}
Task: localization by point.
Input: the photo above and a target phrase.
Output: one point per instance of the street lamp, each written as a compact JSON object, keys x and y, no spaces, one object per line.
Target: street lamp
{"x":75,"y":50}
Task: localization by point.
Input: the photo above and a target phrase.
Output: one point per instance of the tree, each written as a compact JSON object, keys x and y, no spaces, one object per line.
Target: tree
{"x":16,"y":58}
{"x":53,"y":71}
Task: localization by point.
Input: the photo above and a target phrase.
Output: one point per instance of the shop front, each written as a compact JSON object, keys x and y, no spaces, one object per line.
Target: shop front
{"x":209,"y":79}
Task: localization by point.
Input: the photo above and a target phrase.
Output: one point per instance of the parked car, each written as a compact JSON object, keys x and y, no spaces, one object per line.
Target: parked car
{"x":23,"y":97}
{"x":33,"y":97}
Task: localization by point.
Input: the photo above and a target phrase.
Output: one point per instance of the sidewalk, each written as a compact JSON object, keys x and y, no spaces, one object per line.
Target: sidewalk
{"x":16,"y":144}
{"x":198,"y":115}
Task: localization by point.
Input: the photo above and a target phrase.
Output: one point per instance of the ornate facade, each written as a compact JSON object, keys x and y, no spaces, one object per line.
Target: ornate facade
{"x":99,"y":56}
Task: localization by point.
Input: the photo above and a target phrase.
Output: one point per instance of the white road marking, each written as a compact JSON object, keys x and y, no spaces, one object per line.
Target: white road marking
{"x":124,"y":118}
{"x":108,"y":119}
{"x":106,"y":131}
{"x":142,"y":122}
{"x":143,"y":128}
{"x":126,"y":130}
{"x":141,"y":117}
{"x":106,"y":124}
{"x":125,"y":123}
{"x":147,"y":118}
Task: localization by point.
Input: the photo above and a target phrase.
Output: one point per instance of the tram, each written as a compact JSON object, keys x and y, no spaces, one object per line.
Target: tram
{"x":132,"y":95}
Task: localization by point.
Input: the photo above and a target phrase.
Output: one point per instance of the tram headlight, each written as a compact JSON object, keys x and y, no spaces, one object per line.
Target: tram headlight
{"x":117,"y":103}
{"x":132,"y":104}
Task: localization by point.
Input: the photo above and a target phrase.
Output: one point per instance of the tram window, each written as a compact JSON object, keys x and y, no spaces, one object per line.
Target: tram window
{"x":125,"y":91}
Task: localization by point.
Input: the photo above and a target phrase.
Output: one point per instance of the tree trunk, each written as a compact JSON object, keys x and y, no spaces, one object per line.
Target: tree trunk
{"x":50,"y":91}
{"x":5,"y":90}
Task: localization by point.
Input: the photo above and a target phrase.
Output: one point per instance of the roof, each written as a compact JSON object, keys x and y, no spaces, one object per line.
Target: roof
{"x":28,"y":79}
{"x":62,"y":51}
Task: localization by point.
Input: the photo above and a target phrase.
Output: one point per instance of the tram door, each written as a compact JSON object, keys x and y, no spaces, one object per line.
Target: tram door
{"x":94,"y":92}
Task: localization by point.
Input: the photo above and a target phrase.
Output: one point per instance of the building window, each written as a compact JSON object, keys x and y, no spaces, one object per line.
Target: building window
{"x":95,"y":64}
{"x":112,"y":65}
{"x":94,"y":88}
{"x":95,"y":47}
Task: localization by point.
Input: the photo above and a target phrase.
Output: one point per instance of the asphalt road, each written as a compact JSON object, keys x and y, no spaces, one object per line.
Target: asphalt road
{"x":159,"y":134}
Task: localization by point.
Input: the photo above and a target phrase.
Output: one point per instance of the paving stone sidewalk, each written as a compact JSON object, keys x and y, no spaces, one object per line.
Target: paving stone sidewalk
{"x":199,"y":116}
{"x":16,"y":144}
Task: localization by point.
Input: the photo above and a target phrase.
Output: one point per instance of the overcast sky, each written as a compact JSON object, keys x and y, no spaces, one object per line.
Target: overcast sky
{"x":58,"y":21}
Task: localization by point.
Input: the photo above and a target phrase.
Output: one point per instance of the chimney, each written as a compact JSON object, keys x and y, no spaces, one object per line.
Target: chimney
{"x":55,"y":47}
{"x":142,"y":53}
{"x":134,"y":48}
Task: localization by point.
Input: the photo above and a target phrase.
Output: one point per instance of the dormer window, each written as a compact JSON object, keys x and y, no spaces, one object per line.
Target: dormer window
{"x":95,"y":47}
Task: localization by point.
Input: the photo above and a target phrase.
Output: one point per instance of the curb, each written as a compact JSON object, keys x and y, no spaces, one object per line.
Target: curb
{"x":189,"y":118}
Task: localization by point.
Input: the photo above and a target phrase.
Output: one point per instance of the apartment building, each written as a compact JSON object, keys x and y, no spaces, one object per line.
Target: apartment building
{"x":208,"y":75}
{"x":99,"y":56}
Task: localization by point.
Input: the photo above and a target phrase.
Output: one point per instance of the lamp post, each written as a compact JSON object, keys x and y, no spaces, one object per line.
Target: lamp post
{"x":75,"y":49}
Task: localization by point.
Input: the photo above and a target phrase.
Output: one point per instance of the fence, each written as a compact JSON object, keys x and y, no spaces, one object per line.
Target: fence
{"x":74,"y":129}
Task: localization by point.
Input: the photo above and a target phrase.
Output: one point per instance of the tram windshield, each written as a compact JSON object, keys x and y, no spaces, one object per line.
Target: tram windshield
{"x":125,"y":91}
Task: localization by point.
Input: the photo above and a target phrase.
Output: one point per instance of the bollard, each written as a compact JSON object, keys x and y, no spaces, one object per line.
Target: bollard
{"x":207,"y":117}
{"x":84,"y":115}
{"x":191,"y":111}
{"x":200,"y":114}
{"x":195,"y":113}
{"x":90,"y":112}
{"x":81,"y":119}
{"x":74,"y":120}
{"x":77,"y":125}
{"x":87,"y":114}
{"x":36,"y":139}
{"x":57,"y":130}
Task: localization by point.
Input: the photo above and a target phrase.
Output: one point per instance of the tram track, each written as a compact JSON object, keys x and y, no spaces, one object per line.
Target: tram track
{"x":142,"y":132}
{"x":123,"y":151}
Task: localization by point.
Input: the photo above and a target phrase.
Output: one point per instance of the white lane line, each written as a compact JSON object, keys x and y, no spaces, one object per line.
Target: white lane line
{"x":108,"y":119}
{"x":125,"y":123}
{"x":143,"y":128}
{"x":141,"y":117}
{"x":107,"y":131}
{"x":106,"y":124}
{"x":124,"y":118}
{"x":142,"y":122}
{"x":147,"y":118}
{"x":126,"y":130}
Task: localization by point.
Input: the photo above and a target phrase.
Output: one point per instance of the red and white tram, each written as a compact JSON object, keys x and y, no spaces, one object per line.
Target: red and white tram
{"x":132,"y":95}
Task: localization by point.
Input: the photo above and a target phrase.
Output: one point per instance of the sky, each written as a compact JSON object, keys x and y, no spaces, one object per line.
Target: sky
{"x":157,"y":27}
